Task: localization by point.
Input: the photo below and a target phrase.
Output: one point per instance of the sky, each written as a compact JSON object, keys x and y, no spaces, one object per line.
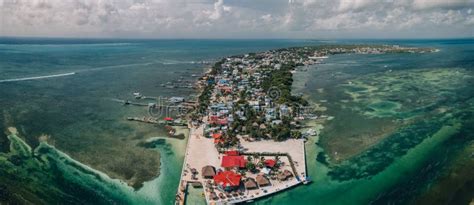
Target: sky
{"x":238,"y":18}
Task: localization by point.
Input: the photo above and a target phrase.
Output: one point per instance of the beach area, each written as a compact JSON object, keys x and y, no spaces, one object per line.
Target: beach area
{"x":200,"y":152}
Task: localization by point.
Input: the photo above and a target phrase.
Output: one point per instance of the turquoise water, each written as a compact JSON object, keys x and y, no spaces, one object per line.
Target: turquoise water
{"x":78,"y":115}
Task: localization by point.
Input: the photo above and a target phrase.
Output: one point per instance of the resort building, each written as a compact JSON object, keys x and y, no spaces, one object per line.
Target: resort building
{"x":227,"y":180}
{"x":229,"y":162}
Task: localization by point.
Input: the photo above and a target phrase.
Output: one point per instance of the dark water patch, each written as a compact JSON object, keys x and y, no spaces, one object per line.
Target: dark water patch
{"x":351,"y":132}
{"x":456,"y":186}
{"x":33,"y":183}
{"x":152,"y":144}
{"x":354,"y":88}
{"x":4,"y":143}
{"x":79,"y":193}
{"x":377,"y":158}
{"x":16,"y":160}
{"x":322,"y":158}
{"x":83,"y":170}
{"x":383,"y":105}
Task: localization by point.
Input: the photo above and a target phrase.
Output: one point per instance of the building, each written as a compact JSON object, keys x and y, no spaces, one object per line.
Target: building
{"x":250,"y":183}
{"x":176,"y":99}
{"x":262,"y":181}
{"x":227,"y":180}
{"x":270,"y":163}
{"x":232,"y":153}
{"x":208,"y":172}
{"x":233,"y":162}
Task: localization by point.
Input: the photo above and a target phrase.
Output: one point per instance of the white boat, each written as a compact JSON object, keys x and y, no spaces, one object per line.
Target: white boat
{"x":318,"y":57}
{"x":307,"y":180}
{"x":311,"y":132}
{"x":137,"y":95}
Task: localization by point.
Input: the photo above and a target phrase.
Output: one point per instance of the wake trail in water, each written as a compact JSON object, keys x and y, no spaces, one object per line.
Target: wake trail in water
{"x":115,"y":66}
{"x":71,"y":73}
{"x":92,"y":69}
{"x":37,"y":77}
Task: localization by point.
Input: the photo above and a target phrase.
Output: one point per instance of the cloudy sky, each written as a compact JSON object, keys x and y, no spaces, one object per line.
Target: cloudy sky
{"x":238,"y":18}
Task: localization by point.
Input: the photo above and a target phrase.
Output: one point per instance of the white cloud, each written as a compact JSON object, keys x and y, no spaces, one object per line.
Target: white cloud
{"x":235,"y":18}
{"x":442,"y":4}
{"x":355,"y":5}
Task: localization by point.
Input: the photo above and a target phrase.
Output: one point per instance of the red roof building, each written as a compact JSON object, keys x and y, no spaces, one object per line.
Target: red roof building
{"x":218,"y":121}
{"x":216,"y":135}
{"x":227,"y":179}
{"x":213,"y":118}
{"x":223,"y":121}
{"x":233,"y":161}
{"x":226,"y":89}
{"x":232,"y":153}
{"x":270,"y":163}
{"x":168,"y":119}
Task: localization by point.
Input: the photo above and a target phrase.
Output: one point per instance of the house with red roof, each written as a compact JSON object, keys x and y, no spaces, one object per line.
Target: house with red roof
{"x":213,"y":119}
{"x":227,"y":180}
{"x":232,"y":153}
{"x":233,"y":162}
{"x":217,"y":137}
{"x":223,"y":121}
{"x":270,"y":163}
{"x":225,"y":90}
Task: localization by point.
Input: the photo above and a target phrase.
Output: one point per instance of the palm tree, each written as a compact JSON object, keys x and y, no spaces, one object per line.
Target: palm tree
{"x":249,"y":158}
{"x":255,"y":157}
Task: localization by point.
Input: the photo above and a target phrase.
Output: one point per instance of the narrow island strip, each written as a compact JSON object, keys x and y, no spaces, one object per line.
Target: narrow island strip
{"x":245,"y":139}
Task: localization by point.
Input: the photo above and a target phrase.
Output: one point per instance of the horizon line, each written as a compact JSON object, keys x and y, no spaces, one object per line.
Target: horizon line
{"x":218,"y":38}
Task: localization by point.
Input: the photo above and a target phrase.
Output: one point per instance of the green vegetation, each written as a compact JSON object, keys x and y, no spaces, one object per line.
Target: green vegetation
{"x":282,"y":79}
{"x":204,"y":98}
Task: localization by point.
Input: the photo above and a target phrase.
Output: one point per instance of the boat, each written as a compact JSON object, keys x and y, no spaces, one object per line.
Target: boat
{"x":311,"y":132}
{"x":307,"y":180}
{"x":196,"y":184}
{"x":318,"y":57}
{"x":137,"y":95}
